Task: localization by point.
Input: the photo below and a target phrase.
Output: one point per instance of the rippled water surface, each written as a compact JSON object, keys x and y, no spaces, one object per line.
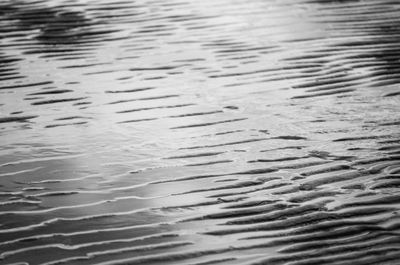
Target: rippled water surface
{"x":200,"y":132}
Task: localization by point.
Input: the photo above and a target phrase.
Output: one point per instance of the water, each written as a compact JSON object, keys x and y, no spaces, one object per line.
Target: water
{"x":199,"y":132}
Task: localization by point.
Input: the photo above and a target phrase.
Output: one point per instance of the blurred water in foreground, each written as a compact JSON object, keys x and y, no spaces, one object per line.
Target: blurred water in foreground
{"x":200,"y":132}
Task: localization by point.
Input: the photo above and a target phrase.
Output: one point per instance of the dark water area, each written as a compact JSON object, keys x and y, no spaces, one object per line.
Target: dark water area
{"x":200,"y":132}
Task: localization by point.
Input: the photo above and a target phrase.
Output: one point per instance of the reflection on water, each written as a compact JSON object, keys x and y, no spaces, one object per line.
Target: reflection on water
{"x":59,"y":27}
{"x":199,"y":132}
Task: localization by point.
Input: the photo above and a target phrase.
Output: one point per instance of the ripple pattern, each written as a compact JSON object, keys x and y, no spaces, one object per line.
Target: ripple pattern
{"x":200,"y":132}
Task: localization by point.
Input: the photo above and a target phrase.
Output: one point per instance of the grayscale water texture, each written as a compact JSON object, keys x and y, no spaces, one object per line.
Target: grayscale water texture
{"x":200,"y":132}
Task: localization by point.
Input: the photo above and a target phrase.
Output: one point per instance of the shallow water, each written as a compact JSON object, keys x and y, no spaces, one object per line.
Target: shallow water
{"x":200,"y":132}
